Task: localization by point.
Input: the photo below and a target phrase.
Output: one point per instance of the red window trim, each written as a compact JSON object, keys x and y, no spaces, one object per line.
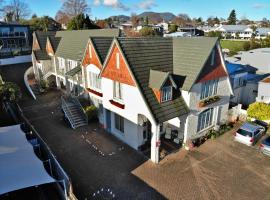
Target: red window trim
{"x":95,"y":92}
{"x":117,"y":104}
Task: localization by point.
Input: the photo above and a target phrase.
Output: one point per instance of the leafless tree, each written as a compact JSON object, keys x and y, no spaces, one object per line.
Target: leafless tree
{"x":135,"y":20}
{"x":74,"y":7}
{"x":62,"y":17}
{"x":18,"y":8}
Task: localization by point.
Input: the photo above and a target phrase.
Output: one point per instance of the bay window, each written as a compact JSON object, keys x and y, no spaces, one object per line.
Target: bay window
{"x":205,"y":119}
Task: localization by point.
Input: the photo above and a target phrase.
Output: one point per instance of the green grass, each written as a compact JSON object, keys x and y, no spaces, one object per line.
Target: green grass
{"x":233,"y":46}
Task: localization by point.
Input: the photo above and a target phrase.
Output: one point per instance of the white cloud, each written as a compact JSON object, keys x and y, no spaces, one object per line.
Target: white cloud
{"x":96,"y":2}
{"x":259,"y":5}
{"x":111,"y":3}
{"x":147,"y":4}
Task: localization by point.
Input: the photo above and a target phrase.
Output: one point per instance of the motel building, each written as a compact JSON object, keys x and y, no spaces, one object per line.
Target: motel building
{"x":151,"y":93}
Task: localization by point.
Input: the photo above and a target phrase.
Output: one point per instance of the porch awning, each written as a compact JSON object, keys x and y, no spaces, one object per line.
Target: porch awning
{"x":19,"y":166}
{"x":74,"y":71}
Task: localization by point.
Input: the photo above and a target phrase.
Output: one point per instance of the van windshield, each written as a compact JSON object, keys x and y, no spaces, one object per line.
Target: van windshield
{"x":244,"y":132}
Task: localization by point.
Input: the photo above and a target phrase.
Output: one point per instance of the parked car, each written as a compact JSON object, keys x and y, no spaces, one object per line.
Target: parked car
{"x":265,"y":146}
{"x":249,"y":133}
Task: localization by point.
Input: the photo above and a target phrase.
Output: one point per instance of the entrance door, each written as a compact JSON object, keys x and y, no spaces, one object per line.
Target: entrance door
{"x":147,"y":133}
{"x":108,"y":120}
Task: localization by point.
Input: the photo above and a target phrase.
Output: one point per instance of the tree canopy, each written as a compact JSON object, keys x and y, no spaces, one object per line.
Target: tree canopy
{"x":9,"y":92}
{"x":259,"y":110}
{"x":15,"y":10}
{"x":81,"y":22}
{"x":232,"y":18}
{"x":44,"y":23}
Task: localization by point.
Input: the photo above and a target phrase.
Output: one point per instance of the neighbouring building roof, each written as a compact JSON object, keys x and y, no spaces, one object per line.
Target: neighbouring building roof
{"x":263,"y":31}
{"x":234,"y":28}
{"x":72,"y":44}
{"x":144,"y":54}
{"x":102,"y":46}
{"x":190,"y":56}
{"x":234,"y":68}
{"x":266,"y":80}
{"x":258,"y":58}
{"x":255,"y":78}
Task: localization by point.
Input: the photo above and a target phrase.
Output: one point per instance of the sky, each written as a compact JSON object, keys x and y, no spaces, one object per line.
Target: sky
{"x":252,"y":9}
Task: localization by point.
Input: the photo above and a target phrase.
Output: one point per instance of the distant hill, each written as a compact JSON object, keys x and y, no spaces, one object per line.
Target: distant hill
{"x":153,"y":17}
{"x":158,"y":17}
{"x":122,"y":18}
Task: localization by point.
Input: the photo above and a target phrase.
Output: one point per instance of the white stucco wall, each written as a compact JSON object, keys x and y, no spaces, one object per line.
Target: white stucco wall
{"x":220,"y":108}
{"x":131,"y":134}
{"x":134,"y":105}
{"x":249,"y":93}
{"x":264,"y":92}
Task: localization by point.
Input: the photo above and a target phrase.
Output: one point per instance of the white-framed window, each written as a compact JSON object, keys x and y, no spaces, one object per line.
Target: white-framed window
{"x":119,"y":123}
{"x":71,"y":64}
{"x":166,"y":94}
{"x":205,"y":119}
{"x":117,"y":90}
{"x":213,"y":57}
{"x":94,"y":81}
{"x":117,"y":60}
{"x":209,"y":89}
{"x":61,"y":63}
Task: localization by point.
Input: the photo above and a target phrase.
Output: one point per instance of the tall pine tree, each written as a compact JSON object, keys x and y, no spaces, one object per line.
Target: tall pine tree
{"x":232,"y":18}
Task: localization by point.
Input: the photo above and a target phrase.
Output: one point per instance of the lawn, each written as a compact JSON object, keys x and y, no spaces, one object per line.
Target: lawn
{"x":233,"y":46}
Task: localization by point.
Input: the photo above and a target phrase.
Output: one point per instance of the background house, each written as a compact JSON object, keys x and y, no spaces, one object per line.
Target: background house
{"x":264,"y":90}
{"x":15,"y":39}
{"x":258,"y":58}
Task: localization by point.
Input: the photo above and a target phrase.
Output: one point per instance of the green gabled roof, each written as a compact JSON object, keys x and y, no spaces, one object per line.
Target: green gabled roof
{"x":157,"y":78}
{"x":190,"y":56}
{"x":72,"y":43}
{"x":102,"y":46}
{"x":42,"y":38}
{"x":54,"y":42}
{"x":41,"y":54}
{"x":144,"y":54}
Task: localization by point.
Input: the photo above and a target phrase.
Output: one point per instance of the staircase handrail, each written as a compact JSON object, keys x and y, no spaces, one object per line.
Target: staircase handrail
{"x":78,"y":103}
{"x":64,"y":105}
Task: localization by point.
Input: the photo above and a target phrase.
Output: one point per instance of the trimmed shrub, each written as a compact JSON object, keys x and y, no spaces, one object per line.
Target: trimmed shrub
{"x":259,"y":110}
{"x":10,"y":92}
{"x":91,"y":112}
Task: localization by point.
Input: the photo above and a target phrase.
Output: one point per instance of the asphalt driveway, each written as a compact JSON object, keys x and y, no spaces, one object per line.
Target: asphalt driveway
{"x":219,"y":169}
{"x":98,"y":164}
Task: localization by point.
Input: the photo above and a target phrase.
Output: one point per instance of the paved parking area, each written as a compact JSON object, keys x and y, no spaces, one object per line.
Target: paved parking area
{"x":99,"y":165}
{"x":219,"y":169}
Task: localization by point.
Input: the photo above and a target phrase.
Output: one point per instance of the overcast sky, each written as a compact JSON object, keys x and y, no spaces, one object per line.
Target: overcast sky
{"x":253,"y":9}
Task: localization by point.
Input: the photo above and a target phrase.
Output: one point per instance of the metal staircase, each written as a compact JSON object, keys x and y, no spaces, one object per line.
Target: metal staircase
{"x":74,"y":112}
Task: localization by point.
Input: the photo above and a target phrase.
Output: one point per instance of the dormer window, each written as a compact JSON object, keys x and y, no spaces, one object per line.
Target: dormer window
{"x":166,"y":94}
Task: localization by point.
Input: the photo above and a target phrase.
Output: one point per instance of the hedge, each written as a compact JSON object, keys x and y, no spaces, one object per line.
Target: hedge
{"x":259,"y":111}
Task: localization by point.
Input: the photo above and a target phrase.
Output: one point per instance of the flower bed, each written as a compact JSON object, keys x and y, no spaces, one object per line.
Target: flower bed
{"x":208,"y":101}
